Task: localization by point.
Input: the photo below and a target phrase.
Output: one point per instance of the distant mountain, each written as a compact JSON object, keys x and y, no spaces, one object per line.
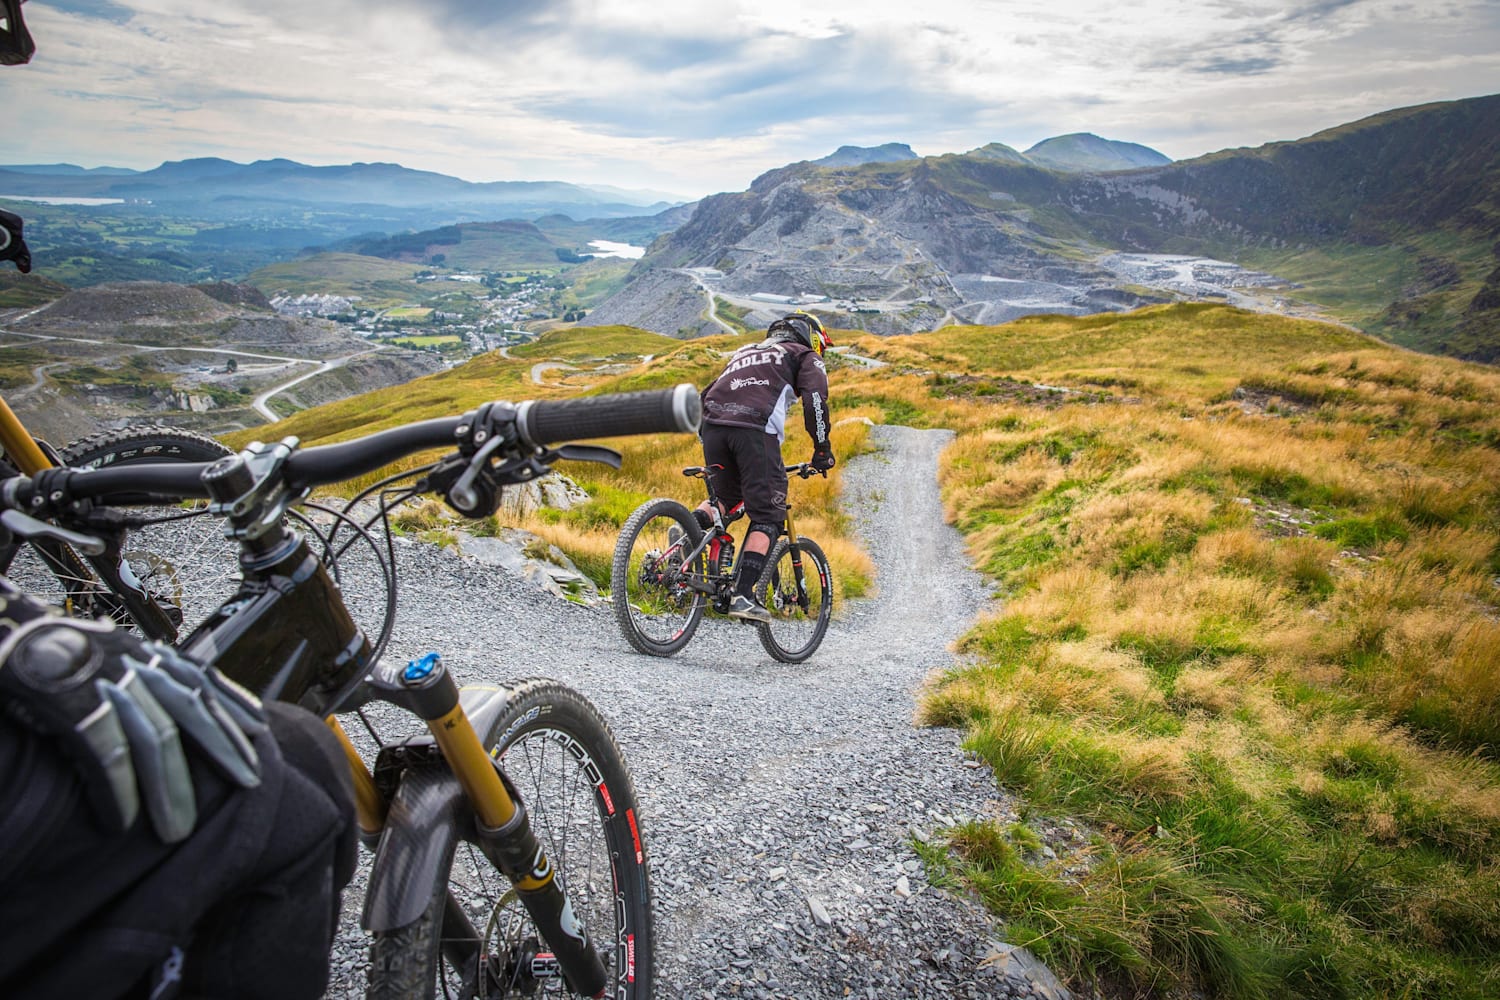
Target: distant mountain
{"x":67,"y":169}
{"x":998,"y":151}
{"x":853,"y":156}
{"x":1390,"y":223}
{"x":206,"y":180}
{"x":513,"y":243}
{"x":635,"y":196}
{"x":1086,"y":152}
{"x":1076,"y":153}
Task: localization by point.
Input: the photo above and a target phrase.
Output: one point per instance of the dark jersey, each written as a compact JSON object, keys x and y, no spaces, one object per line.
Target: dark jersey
{"x":760,"y":383}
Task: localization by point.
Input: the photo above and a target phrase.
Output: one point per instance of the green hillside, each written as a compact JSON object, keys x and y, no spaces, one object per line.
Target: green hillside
{"x":1391,"y":220}
{"x":508,"y":245}
{"x":1249,"y":638}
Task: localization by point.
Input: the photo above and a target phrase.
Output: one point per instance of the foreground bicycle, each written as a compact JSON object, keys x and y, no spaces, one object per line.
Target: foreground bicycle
{"x":666,"y":569}
{"x":524,"y":780}
{"x":163,"y":576}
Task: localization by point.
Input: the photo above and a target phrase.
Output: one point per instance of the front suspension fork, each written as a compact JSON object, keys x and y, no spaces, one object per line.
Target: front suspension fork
{"x":504,"y":831}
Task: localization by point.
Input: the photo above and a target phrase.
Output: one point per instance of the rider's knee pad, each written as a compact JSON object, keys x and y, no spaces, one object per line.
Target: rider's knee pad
{"x":771,"y":530}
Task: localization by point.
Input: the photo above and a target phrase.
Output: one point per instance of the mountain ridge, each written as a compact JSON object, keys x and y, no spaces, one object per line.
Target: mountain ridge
{"x":206,"y":179}
{"x":1390,"y":220}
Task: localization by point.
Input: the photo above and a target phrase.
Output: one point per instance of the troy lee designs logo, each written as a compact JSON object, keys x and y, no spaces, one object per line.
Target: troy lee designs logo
{"x":736,"y":384}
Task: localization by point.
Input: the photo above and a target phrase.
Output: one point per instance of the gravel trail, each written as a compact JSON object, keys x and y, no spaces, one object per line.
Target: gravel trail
{"x":778,"y":801}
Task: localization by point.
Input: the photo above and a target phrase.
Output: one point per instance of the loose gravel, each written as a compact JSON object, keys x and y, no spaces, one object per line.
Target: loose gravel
{"x":779,"y":803}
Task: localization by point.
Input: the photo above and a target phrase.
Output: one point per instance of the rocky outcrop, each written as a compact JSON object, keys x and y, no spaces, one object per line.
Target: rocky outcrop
{"x":909,"y":245}
{"x":662,"y":301}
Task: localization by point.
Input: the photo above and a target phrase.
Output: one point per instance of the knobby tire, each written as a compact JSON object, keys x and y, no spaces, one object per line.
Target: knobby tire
{"x":656,"y":620}
{"x":563,"y":760}
{"x":794,"y":633}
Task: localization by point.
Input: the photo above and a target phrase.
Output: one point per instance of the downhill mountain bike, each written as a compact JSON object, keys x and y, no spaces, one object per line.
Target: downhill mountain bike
{"x":523,"y":780}
{"x":135,"y":581}
{"x":667,"y":570}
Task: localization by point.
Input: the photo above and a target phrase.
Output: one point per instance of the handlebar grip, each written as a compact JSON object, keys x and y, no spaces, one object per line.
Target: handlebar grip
{"x":543,"y":422}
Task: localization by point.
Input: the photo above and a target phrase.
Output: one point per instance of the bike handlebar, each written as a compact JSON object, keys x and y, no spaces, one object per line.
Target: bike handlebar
{"x":536,"y":423}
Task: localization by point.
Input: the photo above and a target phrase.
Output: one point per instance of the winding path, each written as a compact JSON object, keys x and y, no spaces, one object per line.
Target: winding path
{"x":779,"y":802}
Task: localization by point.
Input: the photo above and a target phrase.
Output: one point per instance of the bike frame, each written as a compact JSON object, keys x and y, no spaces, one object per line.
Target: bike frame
{"x":714,"y":577}
{"x":19,"y":444}
{"x":286,"y":634}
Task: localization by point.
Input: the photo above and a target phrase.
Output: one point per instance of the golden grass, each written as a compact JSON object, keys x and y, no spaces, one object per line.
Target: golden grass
{"x":1172,"y":649}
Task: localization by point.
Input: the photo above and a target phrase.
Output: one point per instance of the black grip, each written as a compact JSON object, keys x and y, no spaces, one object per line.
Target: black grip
{"x":543,"y":422}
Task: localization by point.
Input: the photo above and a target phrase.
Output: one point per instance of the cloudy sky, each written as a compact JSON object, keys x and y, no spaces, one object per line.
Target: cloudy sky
{"x":698,"y":96}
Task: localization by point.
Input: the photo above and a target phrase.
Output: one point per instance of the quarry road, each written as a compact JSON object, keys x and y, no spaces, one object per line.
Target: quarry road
{"x":262,"y":401}
{"x":708,"y":293}
{"x":779,"y":802}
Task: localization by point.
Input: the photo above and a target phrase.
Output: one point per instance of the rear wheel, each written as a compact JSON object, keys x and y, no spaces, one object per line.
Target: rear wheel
{"x":183,"y":561}
{"x":800,"y":600}
{"x":657,"y":609}
{"x":564,"y":762}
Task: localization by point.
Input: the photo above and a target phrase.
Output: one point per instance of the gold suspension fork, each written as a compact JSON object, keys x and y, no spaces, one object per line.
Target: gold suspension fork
{"x":505,"y":834}
{"x":23,"y":451}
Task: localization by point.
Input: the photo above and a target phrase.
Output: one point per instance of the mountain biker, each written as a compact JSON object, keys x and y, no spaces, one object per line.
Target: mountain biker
{"x":744,"y":422}
{"x":162,"y":833}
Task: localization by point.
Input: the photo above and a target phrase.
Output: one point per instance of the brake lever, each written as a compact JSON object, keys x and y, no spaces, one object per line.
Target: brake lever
{"x":29,"y":527}
{"x":589,"y":453}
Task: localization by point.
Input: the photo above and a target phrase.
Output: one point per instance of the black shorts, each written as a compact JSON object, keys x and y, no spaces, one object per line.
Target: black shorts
{"x":752,"y":470}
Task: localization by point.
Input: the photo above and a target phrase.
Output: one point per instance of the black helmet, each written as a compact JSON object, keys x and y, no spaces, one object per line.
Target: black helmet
{"x":802,"y":327}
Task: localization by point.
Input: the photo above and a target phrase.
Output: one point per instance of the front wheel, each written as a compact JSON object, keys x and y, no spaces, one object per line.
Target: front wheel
{"x":650,"y":584}
{"x":564,"y":763}
{"x":797,"y":588}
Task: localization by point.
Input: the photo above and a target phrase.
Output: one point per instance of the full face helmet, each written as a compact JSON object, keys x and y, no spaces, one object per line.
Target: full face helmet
{"x":803,"y":328}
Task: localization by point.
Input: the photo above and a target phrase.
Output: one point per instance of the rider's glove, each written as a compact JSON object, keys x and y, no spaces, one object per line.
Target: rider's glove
{"x":121,"y":708}
{"x":822,"y":457}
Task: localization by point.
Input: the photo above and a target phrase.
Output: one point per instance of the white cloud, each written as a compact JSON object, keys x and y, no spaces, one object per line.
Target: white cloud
{"x":697,"y":97}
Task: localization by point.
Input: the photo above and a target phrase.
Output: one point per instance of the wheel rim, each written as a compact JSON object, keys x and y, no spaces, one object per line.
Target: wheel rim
{"x":660,"y":604}
{"x":557,"y":780}
{"x":797,"y":621}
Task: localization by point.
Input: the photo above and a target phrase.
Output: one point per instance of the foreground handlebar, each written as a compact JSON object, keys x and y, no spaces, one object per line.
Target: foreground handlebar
{"x":543,"y":422}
